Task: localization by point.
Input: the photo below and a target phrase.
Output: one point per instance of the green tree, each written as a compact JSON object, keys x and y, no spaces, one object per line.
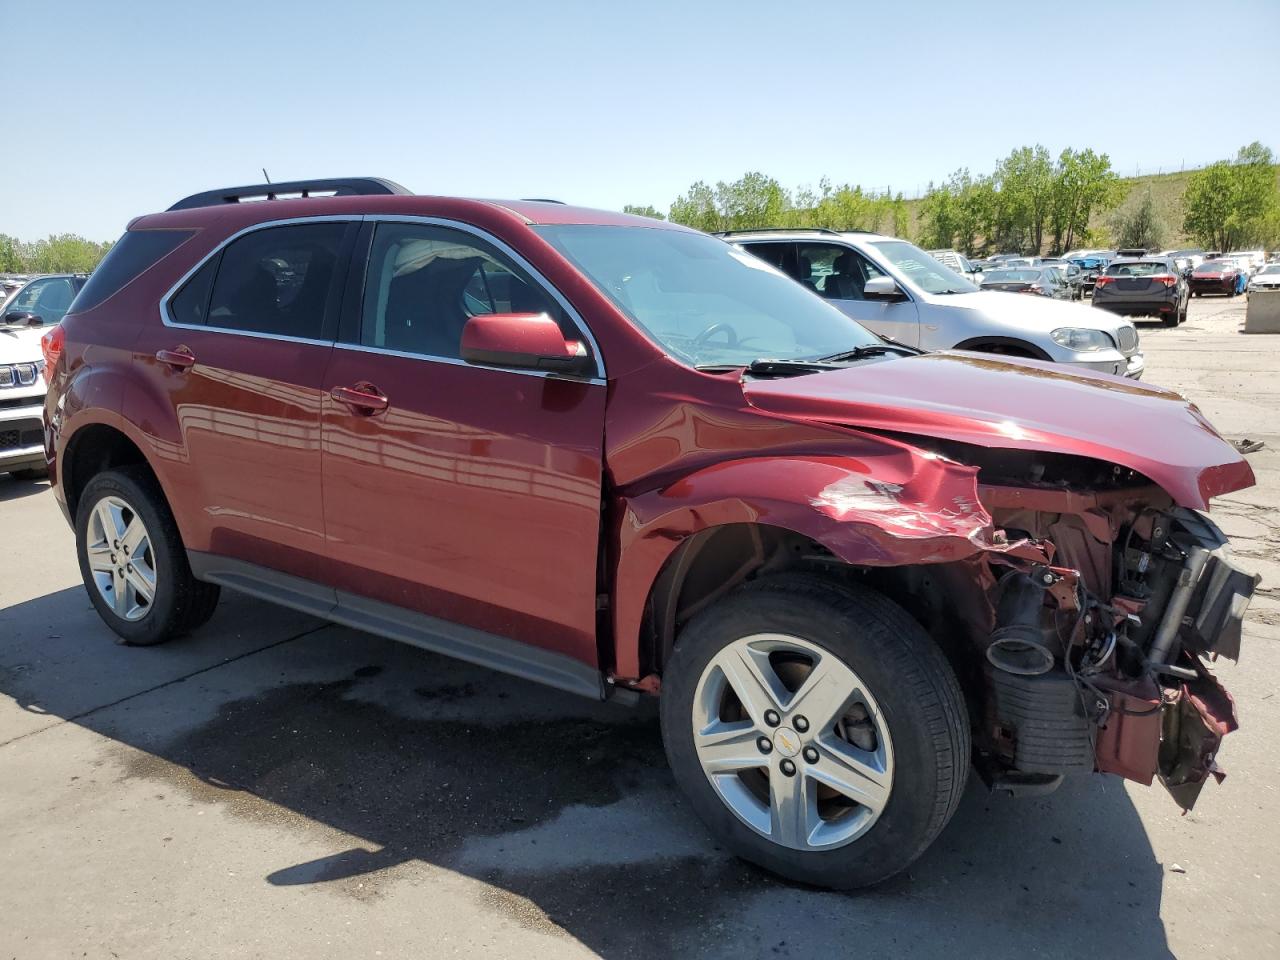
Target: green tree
{"x":648,"y":210}
{"x":63,"y":253}
{"x":697,"y":209}
{"x":1138,"y":224}
{"x":1230,"y":204}
{"x":1026,"y":191}
{"x":1083,"y":182}
{"x":754,"y":200}
{"x":10,"y":255}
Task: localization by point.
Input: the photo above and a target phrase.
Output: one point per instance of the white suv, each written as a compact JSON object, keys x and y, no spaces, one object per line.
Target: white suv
{"x":28,"y":313}
{"x":899,"y":291}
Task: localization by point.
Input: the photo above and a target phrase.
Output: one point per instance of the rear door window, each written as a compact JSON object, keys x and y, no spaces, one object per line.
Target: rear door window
{"x":281,"y":281}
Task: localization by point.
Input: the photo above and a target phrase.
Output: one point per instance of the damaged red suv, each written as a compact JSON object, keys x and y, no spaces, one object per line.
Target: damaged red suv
{"x":620,"y":457}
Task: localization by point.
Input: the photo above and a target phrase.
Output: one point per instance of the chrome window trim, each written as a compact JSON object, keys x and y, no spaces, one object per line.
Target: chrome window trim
{"x":168,"y":321}
{"x":455,"y":362}
{"x":520,"y":261}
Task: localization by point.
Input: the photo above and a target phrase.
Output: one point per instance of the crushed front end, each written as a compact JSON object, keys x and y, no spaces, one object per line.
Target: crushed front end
{"x":1096,"y":655}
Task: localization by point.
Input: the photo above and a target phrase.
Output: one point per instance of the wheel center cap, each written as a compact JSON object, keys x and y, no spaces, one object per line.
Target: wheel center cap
{"x":786,"y":741}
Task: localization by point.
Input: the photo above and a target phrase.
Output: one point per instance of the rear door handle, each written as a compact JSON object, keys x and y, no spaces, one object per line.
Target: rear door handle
{"x":362,"y":398}
{"x":180,"y":358}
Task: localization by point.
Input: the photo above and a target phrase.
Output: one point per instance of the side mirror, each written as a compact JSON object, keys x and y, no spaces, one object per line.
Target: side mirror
{"x":16,"y":318}
{"x":527,"y":341}
{"x":883,"y":288}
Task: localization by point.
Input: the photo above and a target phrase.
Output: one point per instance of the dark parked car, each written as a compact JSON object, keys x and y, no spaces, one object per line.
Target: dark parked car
{"x":1090,"y":266}
{"x":618,"y":456}
{"x":1149,"y":287}
{"x":1071,"y":273}
{"x":1216,"y":276}
{"x":1041,"y":281}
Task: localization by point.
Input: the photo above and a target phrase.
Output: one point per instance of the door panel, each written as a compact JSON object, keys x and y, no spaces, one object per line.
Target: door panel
{"x":244,"y":474}
{"x":255,"y":326}
{"x":839,"y":273}
{"x":474,"y":497}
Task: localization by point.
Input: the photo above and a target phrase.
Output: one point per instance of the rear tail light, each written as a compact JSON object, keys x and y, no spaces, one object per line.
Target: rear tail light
{"x":51,"y":344}
{"x":1103,"y":281}
{"x":1035,"y":288}
{"x":1164,"y":278}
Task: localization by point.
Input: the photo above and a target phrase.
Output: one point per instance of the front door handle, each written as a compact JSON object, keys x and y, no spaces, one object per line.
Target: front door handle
{"x":362,"y":398}
{"x":180,"y":358}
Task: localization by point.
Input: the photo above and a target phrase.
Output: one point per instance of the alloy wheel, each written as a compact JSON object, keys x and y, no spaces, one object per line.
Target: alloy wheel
{"x":121,"y":558}
{"x":792,"y":741}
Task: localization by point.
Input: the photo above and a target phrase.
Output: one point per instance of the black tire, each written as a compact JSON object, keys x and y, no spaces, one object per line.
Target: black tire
{"x":919,"y":699}
{"x":181,"y":603}
{"x":1171,"y":319}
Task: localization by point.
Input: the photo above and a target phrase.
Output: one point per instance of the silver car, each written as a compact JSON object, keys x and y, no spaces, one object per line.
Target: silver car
{"x":899,"y":291}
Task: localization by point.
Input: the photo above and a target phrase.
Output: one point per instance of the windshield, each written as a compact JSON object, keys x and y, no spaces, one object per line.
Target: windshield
{"x":1213,"y":266}
{"x":1270,"y":268}
{"x":922,"y":270}
{"x":1011,"y":276}
{"x":703,"y":300}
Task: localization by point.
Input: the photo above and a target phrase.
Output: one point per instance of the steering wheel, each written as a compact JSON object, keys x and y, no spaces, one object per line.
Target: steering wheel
{"x":701,"y":339}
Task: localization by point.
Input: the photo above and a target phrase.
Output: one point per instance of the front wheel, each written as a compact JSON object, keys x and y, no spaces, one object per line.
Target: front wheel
{"x":816,"y":730}
{"x":133,"y":563}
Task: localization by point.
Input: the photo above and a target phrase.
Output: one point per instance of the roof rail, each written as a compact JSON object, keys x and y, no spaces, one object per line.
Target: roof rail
{"x":540,"y":200}
{"x":834,"y":233}
{"x":338,"y":186}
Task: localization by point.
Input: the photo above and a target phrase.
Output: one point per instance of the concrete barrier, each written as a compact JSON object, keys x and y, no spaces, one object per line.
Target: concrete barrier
{"x":1263,"y":314}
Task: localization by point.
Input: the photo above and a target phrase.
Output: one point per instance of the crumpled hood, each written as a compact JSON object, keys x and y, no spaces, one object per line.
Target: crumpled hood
{"x":1022,"y":404}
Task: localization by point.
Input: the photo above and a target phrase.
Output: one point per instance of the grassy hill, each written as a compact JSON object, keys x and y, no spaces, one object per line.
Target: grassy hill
{"x":1166,"y":190}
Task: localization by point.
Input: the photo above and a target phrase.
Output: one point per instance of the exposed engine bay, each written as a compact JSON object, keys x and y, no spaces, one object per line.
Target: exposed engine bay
{"x":1096,"y":656}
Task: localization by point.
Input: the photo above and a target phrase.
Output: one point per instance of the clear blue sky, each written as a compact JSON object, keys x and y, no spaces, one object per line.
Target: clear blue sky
{"x":119,"y":108}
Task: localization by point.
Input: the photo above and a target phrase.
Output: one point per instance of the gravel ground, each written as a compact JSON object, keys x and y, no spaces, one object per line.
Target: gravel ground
{"x":275,"y":786}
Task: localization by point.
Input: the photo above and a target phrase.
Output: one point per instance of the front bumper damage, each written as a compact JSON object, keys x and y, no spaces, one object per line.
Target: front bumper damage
{"x":1104,"y":668}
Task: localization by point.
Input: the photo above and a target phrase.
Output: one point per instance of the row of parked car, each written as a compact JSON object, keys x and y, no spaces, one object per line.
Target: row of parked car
{"x":1131,"y":282}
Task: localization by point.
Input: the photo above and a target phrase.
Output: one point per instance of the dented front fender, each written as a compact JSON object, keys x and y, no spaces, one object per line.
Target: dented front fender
{"x":905,"y":506}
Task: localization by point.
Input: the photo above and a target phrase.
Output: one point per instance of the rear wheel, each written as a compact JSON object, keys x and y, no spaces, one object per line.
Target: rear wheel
{"x":133,"y":562}
{"x":816,"y":730}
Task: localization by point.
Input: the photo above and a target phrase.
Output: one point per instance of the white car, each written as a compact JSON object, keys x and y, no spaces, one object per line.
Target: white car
{"x":1268,"y":278}
{"x":897,"y":290}
{"x":959,"y":263}
{"x":1252,"y":260}
{"x":28,"y":313}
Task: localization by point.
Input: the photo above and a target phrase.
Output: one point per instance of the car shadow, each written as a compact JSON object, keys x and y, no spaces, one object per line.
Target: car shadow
{"x":562,"y":809}
{"x":11,"y":488}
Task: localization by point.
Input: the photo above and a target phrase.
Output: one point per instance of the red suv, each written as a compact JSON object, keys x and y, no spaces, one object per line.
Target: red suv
{"x":618,"y":456}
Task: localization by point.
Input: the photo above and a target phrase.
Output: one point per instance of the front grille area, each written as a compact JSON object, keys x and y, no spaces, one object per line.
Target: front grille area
{"x":21,"y":434}
{"x":1128,"y":340}
{"x":18,"y":375}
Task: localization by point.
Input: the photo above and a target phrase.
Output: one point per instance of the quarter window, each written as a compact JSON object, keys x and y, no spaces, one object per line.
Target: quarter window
{"x":191,"y":305}
{"x":280,"y":281}
{"x":425,"y":282}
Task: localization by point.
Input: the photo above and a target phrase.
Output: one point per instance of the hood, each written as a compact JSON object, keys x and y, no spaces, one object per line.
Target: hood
{"x":1040,"y":314}
{"x":1025,"y":405}
{"x":21,"y":344}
